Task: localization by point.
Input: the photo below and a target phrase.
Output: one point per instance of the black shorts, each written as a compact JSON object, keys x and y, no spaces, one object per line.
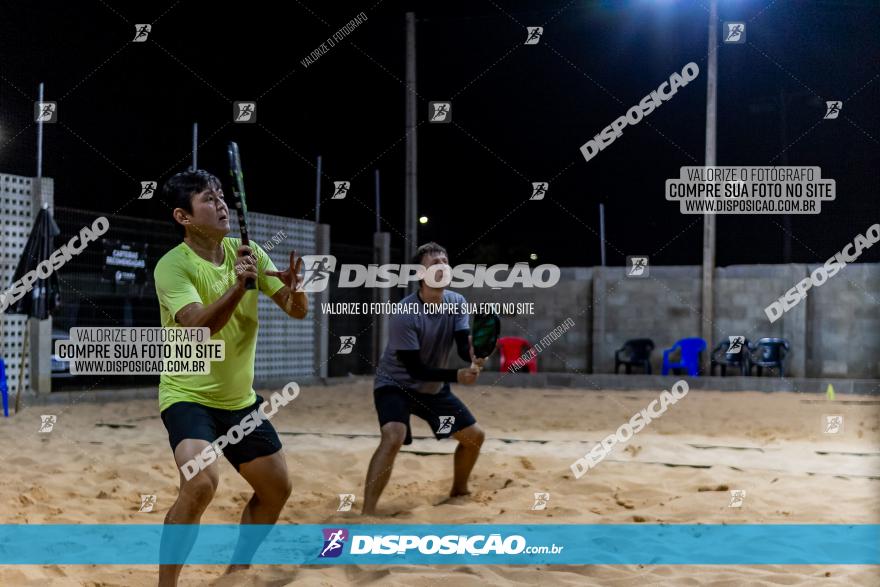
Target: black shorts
{"x":394,"y":404}
{"x":191,"y":420}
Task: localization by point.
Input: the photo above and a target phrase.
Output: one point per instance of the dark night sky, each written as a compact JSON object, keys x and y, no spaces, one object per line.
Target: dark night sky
{"x":520,"y":114}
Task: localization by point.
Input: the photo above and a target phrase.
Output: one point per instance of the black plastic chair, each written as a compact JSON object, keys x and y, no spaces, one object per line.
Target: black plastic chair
{"x":721,"y":358}
{"x":635,"y":352}
{"x":770,"y":352}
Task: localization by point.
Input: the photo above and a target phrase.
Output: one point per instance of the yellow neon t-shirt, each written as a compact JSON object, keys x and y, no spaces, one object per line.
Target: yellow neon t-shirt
{"x":182,"y":277}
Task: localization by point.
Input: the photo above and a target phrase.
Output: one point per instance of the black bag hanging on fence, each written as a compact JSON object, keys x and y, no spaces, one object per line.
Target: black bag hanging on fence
{"x":45,"y":296}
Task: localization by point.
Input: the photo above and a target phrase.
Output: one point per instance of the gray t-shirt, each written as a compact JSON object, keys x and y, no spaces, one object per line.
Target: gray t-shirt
{"x":430,"y":333}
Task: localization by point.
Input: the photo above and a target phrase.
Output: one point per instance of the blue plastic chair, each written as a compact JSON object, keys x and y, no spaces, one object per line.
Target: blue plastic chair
{"x":4,"y":390}
{"x":690,"y":356}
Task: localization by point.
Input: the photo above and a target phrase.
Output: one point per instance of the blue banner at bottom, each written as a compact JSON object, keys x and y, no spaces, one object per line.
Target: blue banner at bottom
{"x":415,"y":544}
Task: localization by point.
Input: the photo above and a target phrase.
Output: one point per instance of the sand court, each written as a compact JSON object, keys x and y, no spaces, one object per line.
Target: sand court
{"x":100,"y":459}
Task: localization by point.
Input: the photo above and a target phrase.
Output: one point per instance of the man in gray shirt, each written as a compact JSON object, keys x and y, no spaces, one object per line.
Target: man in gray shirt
{"x":412,"y":378}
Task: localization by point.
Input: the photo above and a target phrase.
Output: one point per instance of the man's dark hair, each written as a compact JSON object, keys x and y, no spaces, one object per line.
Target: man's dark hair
{"x":427,"y":249}
{"x":180,"y":188}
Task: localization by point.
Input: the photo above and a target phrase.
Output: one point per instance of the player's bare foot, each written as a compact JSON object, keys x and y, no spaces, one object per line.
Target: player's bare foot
{"x":459,"y":492}
{"x":455,"y":499}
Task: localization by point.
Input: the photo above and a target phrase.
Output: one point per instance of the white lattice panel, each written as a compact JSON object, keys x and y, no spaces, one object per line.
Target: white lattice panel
{"x":285,"y":347}
{"x":17,"y":218}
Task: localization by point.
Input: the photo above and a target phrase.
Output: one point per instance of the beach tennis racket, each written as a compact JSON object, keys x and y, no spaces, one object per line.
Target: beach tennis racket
{"x":239,"y":199}
{"x":485,"y":329}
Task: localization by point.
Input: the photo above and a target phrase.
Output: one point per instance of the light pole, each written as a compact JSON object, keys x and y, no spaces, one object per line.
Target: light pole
{"x":708,"y":273}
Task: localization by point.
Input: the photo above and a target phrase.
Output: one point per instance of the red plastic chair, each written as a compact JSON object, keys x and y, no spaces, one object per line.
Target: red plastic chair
{"x":511,"y":349}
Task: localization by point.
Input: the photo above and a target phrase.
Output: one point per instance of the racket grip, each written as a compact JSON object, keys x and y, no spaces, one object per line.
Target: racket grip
{"x":249,"y":283}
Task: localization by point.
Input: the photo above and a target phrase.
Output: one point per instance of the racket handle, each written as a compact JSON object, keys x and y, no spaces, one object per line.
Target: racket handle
{"x":249,"y":283}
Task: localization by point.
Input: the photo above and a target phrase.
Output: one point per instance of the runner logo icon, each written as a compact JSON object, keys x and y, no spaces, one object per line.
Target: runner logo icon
{"x":539,"y":190}
{"x":334,"y":541}
{"x":533,"y":34}
{"x":317,"y":272}
{"x":446,"y":424}
{"x":832,"y":109}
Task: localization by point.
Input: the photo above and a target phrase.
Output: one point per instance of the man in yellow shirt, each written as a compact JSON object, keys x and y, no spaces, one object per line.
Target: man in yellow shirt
{"x":201,"y":283}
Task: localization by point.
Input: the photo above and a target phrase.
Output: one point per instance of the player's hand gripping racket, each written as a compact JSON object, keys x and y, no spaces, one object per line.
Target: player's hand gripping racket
{"x":238,"y":197}
{"x":485,"y":329}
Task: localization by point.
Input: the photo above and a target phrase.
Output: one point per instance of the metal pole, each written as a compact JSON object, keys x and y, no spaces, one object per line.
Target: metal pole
{"x":37,"y":338}
{"x":195,"y":146}
{"x":381,"y":295}
{"x":602,"y":231}
{"x":709,"y":219}
{"x":321,"y":331}
{"x":411,"y":143}
{"x":318,"y":193}
{"x":40,"y":137}
{"x":378,"y":203}
{"x":783,"y":138}
{"x":24,"y":357}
